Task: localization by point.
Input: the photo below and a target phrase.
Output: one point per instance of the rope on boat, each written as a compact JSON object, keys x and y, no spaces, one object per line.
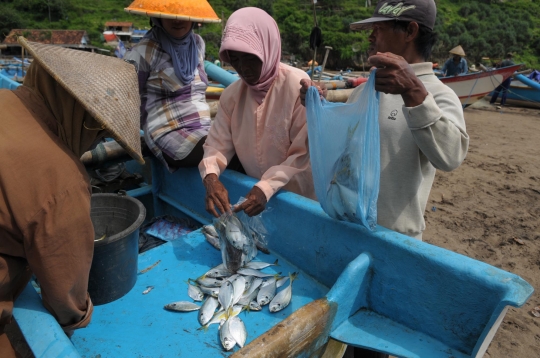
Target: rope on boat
{"x":525,"y":99}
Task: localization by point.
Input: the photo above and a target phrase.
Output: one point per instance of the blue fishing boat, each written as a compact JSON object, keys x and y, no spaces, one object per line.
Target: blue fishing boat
{"x":374,"y":289}
{"x":523,"y":92}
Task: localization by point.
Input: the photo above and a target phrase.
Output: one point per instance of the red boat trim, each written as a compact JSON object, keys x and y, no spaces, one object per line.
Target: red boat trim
{"x":505,"y":72}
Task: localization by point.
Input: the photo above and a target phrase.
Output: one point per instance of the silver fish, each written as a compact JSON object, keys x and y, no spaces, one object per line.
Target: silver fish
{"x":235,"y":310}
{"x":238,"y":330}
{"x":182,"y":306}
{"x":212,"y":291}
{"x":195,"y":292}
{"x":254,"y":306}
{"x":256,"y":273}
{"x":266,"y":293}
{"x":283,"y":298}
{"x":214,"y":241}
{"x":210,"y":230}
{"x":249,"y":281}
{"x":267,"y":281}
{"x":257,"y":265}
{"x":239,"y":286}
{"x":232,"y":277}
{"x":148,"y":289}
{"x":225,"y":336}
{"x":218,"y":271}
{"x":207,"y":310}
{"x":248,"y":297}
{"x":281,"y":281}
{"x":234,"y":232}
{"x":225,"y":295}
{"x":209,"y":281}
{"x":218,"y":317}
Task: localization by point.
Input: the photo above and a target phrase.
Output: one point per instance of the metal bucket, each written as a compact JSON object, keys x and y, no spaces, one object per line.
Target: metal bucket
{"x":116,"y":219}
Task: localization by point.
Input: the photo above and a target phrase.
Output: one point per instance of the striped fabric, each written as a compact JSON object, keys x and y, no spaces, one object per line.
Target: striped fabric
{"x":174,"y":116}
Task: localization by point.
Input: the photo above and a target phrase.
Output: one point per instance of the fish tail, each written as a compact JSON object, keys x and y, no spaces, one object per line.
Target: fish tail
{"x":293,"y":276}
{"x":276,"y":263}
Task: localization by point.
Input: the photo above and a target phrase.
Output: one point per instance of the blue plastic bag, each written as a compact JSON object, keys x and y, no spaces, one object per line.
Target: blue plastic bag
{"x":344,"y":146}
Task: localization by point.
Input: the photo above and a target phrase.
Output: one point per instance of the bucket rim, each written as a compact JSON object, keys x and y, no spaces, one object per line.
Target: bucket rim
{"x":130,"y":229}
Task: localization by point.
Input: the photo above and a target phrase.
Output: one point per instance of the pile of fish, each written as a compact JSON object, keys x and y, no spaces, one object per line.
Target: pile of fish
{"x":236,"y":285}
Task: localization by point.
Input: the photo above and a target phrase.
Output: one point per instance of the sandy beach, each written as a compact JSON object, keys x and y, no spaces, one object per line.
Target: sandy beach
{"x":489,"y":209}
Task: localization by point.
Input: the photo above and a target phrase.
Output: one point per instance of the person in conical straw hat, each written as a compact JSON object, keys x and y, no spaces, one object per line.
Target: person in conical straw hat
{"x":172,"y":81}
{"x":69,"y":100}
{"x":457,"y":65}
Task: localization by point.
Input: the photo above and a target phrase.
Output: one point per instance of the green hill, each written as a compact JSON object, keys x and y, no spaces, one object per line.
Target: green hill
{"x":487,"y":28}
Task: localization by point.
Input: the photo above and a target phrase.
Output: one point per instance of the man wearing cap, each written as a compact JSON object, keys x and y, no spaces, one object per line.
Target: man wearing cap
{"x":457,"y":65}
{"x":421,"y":121}
{"x":45,"y":126}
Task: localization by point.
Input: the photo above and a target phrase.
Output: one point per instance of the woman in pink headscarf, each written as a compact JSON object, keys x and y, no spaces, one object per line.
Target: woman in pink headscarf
{"x":260,"y":118}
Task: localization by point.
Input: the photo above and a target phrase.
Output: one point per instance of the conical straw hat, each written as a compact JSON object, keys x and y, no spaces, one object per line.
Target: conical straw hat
{"x":188,"y":10}
{"x":106,"y":87}
{"x":458,"y":50}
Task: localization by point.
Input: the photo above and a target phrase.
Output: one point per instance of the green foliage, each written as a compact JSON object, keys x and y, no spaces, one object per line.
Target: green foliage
{"x":484,"y":27}
{"x":9,"y":19}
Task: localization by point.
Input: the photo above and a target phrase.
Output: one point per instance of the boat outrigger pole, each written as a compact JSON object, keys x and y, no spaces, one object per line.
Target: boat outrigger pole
{"x":315,"y":39}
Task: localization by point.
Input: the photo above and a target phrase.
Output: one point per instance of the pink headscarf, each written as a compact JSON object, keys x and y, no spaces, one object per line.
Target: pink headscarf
{"x":252,"y":30}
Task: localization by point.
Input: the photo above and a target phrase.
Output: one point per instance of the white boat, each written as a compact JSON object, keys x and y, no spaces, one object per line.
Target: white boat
{"x":475,"y":86}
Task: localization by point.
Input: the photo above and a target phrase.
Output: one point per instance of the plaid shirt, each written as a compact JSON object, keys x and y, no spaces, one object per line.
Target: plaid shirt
{"x":174,"y":116}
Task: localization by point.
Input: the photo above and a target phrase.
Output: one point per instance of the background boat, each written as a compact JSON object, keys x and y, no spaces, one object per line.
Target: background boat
{"x":523,"y":92}
{"x":475,"y":86}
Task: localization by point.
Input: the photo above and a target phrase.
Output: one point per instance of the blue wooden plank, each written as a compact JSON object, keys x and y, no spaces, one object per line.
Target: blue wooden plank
{"x":137,"y":325}
{"x":44,"y":335}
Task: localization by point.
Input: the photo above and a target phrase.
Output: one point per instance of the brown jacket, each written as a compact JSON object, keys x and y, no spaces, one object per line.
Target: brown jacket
{"x":45,"y":225}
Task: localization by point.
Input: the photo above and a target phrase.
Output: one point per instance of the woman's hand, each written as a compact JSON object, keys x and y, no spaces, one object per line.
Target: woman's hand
{"x":305,"y":86}
{"x":254,"y":204}
{"x":216,"y":196}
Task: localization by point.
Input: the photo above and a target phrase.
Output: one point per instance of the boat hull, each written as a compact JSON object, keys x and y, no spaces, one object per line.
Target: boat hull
{"x":475,"y":86}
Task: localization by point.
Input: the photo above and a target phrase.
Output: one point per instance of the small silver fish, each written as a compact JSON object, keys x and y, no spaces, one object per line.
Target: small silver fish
{"x":225,"y":295}
{"x":210,"y":230}
{"x":249,"y":281}
{"x":182,"y":306}
{"x":248,"y":297}
{"x":251,"y":293}
{"x":209,"y":281}
{"x":235,"y":310}
{"x":208,"y":309}
{"x":148,"y":289}
{"x":266,"y":293}
{"x":256,"y":273}
{"x":239,"y":286}
{"x":212,"y":291}
{"x":225,"y":336}
{"x":214,"y":241}
{"x":218,"y":317}
{"x":281,"y":281}
{"x":283,"y":298}
{"x":238,"y":330}
{"x":257,"y":265}
{"x":254,"y":306}
{"x":218,"y":271}
{"x":195,"y":292}
{"x":234,"y":232}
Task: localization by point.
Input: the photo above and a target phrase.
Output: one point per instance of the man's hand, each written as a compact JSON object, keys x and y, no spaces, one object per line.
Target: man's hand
{"x":305,"y":86}
{"x":254,"y":204}
{"x":216,"y":196}
{"x":396,"y":76}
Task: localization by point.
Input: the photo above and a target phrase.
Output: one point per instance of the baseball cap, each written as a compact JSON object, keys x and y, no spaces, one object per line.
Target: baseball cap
{"x":422,"y":12}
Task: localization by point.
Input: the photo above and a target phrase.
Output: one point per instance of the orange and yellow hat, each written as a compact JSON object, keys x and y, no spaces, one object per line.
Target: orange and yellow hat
{"x":188,"y":10}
